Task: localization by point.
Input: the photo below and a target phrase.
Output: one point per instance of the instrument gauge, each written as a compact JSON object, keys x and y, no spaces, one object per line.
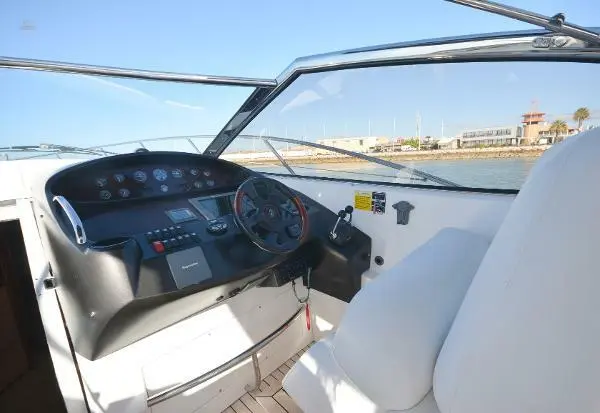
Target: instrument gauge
{"x":119,"y":178}
{"x":105,"y":195}
{"x":140,"y":176}
{"x":177,"y":173}
{"x":101,"y":182}
{"x":194,"y":172}
{"x":164,"y":188}
{"x":124,"y":193}
{"x":206,"y":173}
{"x":198,"y":184}
{"x":210,"y":182}
{"x":160,"y":174}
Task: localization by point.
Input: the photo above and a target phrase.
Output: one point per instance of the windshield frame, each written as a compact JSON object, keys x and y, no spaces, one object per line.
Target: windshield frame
{"x":505,"y":46}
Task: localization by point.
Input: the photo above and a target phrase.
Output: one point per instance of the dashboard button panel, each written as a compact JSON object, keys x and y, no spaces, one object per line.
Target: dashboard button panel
{"x":165,"y":240}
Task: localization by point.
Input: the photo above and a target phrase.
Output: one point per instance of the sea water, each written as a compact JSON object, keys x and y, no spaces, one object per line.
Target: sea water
{"x":498,"y":173}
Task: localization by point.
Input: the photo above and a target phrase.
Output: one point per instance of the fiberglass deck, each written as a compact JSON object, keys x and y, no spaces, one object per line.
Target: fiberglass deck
{"x":270,"y":397}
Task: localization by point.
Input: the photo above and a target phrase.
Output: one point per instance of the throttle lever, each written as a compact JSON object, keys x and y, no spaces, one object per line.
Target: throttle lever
{"x":342,"y":230}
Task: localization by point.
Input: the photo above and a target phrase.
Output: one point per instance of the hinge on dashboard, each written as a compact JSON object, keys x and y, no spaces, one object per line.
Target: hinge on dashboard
{"x":50,"y":281}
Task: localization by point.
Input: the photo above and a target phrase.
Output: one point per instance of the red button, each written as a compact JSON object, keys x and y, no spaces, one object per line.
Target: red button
{"x":158,"y":246}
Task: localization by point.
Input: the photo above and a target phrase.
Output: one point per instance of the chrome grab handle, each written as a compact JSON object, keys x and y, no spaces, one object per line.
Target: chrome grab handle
{"x":74,"y":219}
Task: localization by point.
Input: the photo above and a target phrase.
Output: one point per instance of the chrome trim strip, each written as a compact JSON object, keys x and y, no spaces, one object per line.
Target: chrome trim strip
{"x":548,"y":23}
{"x":73,"y":218}
{"x":278,"y":155}
{"x":364,"y":157}
{"x":61,"y":67}
{"x":223,"y":195}
{"x":180,"y":388}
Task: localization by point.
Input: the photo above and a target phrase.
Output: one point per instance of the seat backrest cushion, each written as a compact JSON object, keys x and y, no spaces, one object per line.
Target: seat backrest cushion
{"x":389,"y":338}
{"x":527,"y":336}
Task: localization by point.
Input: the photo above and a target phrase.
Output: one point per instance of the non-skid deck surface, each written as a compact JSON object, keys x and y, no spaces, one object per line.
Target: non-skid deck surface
{"x":270,"y":397}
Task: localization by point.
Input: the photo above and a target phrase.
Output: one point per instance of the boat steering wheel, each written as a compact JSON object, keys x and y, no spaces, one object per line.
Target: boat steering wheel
{"x":271,"y":215}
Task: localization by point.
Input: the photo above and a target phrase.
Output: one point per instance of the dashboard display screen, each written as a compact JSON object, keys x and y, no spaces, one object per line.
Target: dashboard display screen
{"x":213,"y":207}
{"x":180,"y":215}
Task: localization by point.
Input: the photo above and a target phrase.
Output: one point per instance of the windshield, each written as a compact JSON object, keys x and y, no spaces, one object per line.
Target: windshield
{"x":62,"y":111}
{"x":474,"y":124}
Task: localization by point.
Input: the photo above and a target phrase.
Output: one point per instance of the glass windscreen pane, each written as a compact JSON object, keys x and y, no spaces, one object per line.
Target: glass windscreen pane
{"x":478,"y":124}
{"x":112,"y":114}
{"x":309,"y":161}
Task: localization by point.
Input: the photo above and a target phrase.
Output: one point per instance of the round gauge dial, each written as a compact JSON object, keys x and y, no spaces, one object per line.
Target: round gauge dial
{"x":177,"y":173}
{"x":164,"y":188}
{"x":119,"y":178}
{"x":140,"y":176}
{"x":206,"y":173}
{"x":160,"y":174}
{"x":198,"y":184}
{"x":104,"y":194}
{"x":210,"y":182}
{"x":194,"y":172}
{"x":124,"y":193}
{"x":101,"y":182}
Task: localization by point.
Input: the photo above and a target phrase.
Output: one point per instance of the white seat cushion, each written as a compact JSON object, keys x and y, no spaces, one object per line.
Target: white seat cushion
{"x":319,"y":385}
{"x":527,"y":336}
{"x":385,"y":348}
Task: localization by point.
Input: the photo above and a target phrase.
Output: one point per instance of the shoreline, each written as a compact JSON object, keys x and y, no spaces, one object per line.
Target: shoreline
{"x":440,"y":154}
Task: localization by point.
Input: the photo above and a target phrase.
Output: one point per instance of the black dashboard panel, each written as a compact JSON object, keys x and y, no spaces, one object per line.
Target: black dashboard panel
{"x":141,"y":176}
{"x":155,"y":257}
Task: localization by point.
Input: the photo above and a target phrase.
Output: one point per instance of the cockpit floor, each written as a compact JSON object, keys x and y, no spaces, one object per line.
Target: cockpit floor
{"x":270,"y":396}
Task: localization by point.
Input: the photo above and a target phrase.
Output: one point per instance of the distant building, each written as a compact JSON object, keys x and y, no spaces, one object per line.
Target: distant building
{"x":533,"y":123}
{"x":545,"y":135}
{"x":448,"y":143}
{"x":536,"y":130}
{"x":500,"y":136}
{"x":361,"y":144}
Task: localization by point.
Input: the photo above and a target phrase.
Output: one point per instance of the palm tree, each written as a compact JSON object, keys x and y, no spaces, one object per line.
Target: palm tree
{"x":558,"y":127}
{"x":581,"y":115}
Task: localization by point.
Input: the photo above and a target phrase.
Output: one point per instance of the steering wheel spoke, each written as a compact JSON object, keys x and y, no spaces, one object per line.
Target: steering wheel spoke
{"x":287,"y":222}
{"x":251,"y":192}
{"x":253,"y":218}
{"x":272,"y":238}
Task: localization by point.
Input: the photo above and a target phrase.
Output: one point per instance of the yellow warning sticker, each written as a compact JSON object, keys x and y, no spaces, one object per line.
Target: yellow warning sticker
{"x":362,"y":200}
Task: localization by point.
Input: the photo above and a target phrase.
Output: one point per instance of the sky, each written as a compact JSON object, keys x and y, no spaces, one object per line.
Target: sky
{"x":238,"y":38}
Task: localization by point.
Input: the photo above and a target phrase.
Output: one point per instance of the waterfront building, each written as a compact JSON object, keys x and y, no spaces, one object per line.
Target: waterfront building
{"x":533,"y":124}
{"x":498,"y":136}
{"x":448,"y":143}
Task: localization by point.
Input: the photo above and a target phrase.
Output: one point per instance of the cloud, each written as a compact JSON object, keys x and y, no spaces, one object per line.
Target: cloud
{"x":303,"y":98}
{"x":512,"y":78}
{"x":137,"y":92}
{"x":183,"y":105}
{"x":118,"y":86}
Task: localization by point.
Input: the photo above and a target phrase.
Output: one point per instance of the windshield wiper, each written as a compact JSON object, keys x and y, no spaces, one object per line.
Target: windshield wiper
{"x":389,"y":164}
{"x":50,"y":148}
{"x":278,"y":156}
{"x":556,"y":23}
